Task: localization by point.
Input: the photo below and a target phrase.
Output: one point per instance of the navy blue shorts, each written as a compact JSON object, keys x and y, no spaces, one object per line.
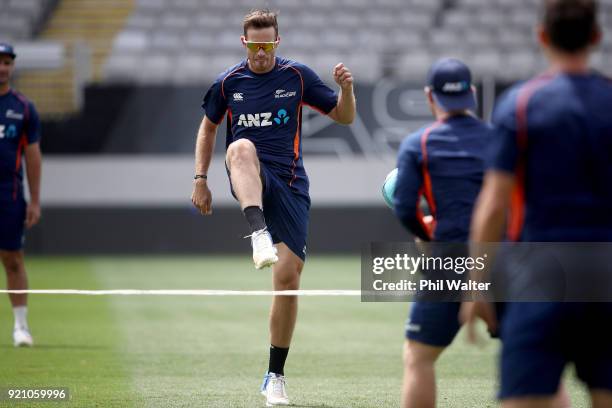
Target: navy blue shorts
{"x":286,"y":212}
{"x":539,"y":339}
{"x":12,"y":228}
{"x":433,"y":323}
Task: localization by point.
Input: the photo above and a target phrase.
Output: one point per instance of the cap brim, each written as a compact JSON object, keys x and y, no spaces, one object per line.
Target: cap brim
{"x":10,"y":54}
{"x":466,"y":101}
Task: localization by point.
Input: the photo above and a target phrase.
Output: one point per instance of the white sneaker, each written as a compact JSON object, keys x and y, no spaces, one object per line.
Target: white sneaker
{"x":273,"y":388}
{"x":22,"y":338}
{"x":264,"y":252}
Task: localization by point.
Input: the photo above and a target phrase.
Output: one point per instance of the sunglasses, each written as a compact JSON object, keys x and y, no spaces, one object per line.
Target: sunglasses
{"x":267,"y":46}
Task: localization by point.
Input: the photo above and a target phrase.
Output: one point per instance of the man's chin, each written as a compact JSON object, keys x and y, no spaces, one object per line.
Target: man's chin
{"x":262,"y":66}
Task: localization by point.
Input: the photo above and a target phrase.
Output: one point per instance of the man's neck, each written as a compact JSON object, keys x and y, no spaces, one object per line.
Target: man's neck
{"x":4,"y":89}
{"x":570,"y":64}
{"x":441,"y":115}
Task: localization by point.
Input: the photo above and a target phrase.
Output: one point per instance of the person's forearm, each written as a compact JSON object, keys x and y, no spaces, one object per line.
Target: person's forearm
{"x":346,"y":106}
{"x":205,"y":145}
{"x":488,"y":225}
{"x":488,"y":221}
{"x":34,"y":171}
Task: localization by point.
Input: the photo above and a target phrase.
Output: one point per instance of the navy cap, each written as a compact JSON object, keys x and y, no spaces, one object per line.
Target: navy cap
{"x":7,"y":49}
{"x":451,"y":83}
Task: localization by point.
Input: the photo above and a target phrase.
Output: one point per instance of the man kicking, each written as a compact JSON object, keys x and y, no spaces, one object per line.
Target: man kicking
{"x":263,"y":97}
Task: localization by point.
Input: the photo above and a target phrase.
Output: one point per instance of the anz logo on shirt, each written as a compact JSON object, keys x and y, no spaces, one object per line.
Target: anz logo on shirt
{"x":8,"y":133}
{"x":263,"y":119}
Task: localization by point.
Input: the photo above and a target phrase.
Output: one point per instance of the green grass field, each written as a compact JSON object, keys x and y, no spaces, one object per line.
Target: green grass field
{"x":145,"y":351}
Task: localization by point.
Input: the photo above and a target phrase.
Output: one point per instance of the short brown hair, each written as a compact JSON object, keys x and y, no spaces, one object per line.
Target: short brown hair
{"x":570,"y":24}
{"x":260,"y":18}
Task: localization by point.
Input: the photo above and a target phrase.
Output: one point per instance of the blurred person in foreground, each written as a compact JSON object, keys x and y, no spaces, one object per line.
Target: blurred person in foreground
{"x":443,"y":162}
{"x":551,"y":166}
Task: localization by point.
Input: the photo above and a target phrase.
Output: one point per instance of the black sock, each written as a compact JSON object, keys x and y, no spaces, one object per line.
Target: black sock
{"x":255,"y":218}
{"x":278,"y":355}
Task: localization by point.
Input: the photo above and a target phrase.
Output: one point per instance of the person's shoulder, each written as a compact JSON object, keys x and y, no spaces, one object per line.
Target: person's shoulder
{"x":284,"y":63}
{"x":230,"y":71}
{"x":480,"y":123}
{"x":485,"y":129}
{"x":21,"y":98}
{"x":469,"y":125}
{"x":412,"y":142}
{"x":505,"y":106}
{"x":506,"y":102}
{"x":603,"y":82}
{"x":303,"y":69}
{"x":18,"y":95}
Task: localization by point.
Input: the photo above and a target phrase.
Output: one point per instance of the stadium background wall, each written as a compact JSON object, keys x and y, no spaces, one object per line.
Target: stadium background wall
{"x":131,"y":119}
{"x":118,"y":175}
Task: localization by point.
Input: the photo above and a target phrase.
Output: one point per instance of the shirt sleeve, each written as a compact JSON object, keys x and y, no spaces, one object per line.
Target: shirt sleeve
{"x":215,"y":103}
{"x":33,"y":125}
{"x":409,"y":182}
{"x":316,"y":93}
{"x":503,"y":149}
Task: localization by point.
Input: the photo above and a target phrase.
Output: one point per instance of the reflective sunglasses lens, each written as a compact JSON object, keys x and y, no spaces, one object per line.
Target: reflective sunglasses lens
{"x":255,"y":46}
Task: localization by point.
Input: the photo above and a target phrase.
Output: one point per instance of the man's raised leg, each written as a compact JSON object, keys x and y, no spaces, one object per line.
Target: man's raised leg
{"x":243,"y":164}
{"x":244,"y":168}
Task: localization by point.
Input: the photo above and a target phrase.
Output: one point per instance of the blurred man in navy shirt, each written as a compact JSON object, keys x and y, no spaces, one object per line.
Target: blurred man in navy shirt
{"x":443,"y":162}
{"x":551,"y":167}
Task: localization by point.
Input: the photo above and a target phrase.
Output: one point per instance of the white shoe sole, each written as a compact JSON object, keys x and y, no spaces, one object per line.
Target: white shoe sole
{"x":264,"y":263}
{"x":269,"y":404}
{"x":278,"y":404}
{"x":23,"y":344}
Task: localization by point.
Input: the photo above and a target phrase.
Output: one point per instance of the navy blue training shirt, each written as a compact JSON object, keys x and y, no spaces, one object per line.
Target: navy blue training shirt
{"x":554,"y":133}
{"x":19,"y":127}
{"x":267,"y":110}
{"x":443,"y":162}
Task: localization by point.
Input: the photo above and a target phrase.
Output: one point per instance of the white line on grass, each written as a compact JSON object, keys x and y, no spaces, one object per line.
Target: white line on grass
{"x":183,"y":292}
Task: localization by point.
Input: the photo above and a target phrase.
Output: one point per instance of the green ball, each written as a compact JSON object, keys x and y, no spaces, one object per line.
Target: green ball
{"x":388,"y":188}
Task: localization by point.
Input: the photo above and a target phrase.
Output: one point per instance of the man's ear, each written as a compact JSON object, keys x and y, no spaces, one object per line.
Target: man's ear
{"x":596,"y":37}
{"x":428,"y":94}
{"x":542,"y":36}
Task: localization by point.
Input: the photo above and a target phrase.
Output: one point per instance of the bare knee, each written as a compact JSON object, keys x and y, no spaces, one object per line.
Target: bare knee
{"x":287,"y":276}
{"x":417,"y":355}
{"x":241,"y":152}
{"x":12,"y":262}
{"x":287,"y":281}
{"x":287,"y":270}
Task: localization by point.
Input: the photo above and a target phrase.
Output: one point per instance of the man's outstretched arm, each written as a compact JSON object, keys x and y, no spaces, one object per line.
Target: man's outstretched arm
{"x":201,"y":196}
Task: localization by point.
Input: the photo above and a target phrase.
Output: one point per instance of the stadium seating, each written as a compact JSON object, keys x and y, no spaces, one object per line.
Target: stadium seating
{"x":189,"y":41}
{"x":21,"y":19}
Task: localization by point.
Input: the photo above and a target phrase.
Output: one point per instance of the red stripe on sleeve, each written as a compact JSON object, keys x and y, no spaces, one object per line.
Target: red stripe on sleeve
{"x":516,"y":216}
